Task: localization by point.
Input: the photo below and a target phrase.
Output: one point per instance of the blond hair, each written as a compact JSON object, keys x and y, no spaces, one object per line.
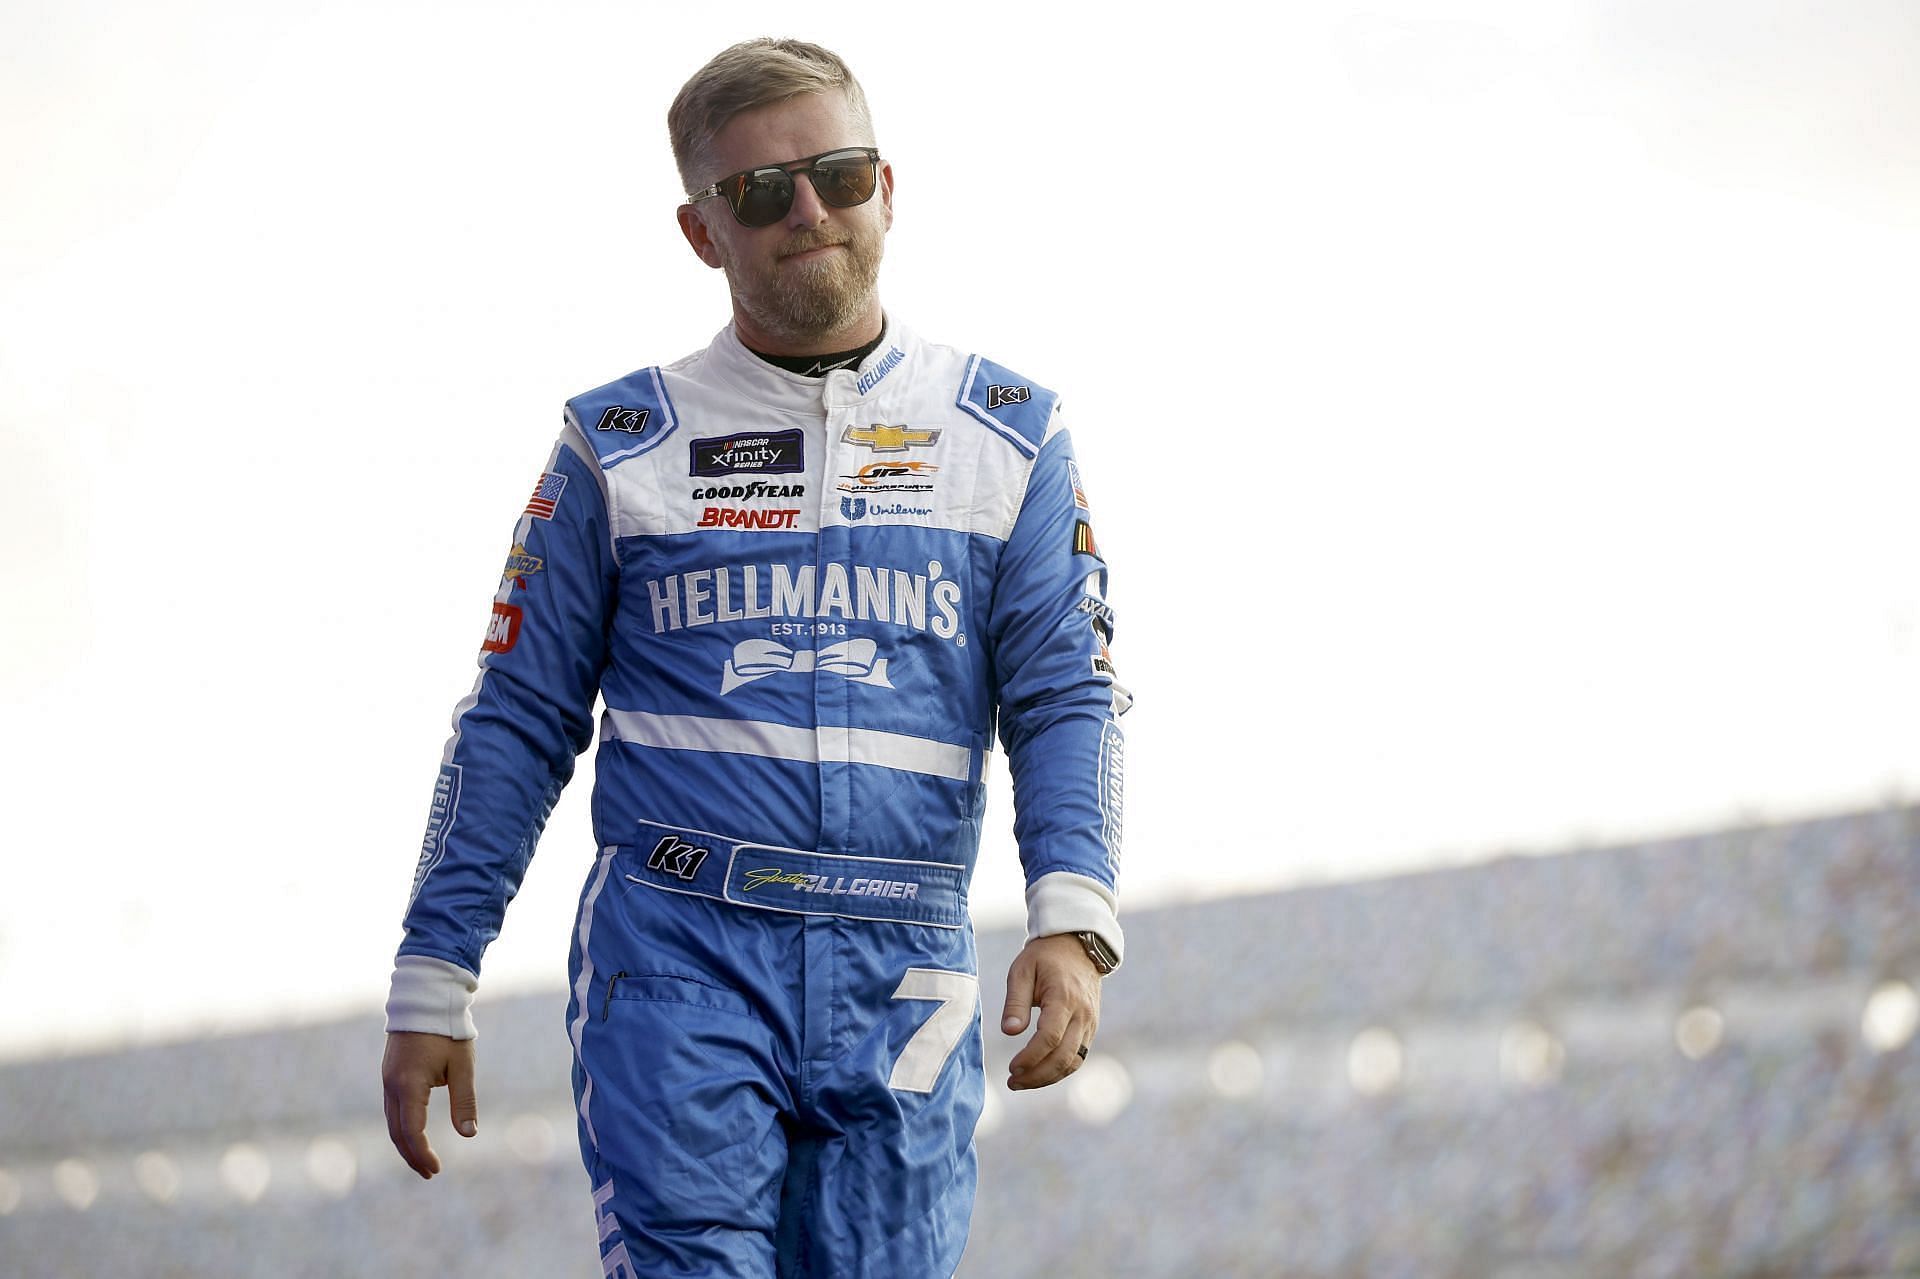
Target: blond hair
{"x":751,"y":74}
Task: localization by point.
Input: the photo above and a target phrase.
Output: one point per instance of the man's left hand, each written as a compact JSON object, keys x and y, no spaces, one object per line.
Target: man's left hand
{"x":1055,"y":974}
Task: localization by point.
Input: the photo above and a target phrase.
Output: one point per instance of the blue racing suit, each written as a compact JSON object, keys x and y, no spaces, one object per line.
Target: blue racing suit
{"x":805,"y":602}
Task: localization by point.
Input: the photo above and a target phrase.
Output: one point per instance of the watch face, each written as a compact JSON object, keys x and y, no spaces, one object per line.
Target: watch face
{"x":1099,"y":952}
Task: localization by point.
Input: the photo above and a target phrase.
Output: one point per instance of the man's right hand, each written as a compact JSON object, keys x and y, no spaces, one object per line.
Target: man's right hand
{"x":414,"y":1065}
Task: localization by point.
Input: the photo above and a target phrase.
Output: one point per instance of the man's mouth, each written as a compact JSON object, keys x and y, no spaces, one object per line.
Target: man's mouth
{"x":811,"y":252}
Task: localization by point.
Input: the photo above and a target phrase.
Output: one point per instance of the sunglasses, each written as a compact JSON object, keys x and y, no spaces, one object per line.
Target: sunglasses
{"x":761,"y":197}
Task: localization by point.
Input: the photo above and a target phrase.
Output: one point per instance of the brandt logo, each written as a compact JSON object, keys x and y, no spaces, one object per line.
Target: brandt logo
{"x":734,"y":517}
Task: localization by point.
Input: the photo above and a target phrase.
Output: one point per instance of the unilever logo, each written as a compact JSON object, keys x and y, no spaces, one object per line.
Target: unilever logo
{"x":857,"y":509}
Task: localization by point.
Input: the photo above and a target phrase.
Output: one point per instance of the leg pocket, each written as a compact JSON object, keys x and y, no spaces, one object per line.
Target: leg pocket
{"x":686,"y":1104}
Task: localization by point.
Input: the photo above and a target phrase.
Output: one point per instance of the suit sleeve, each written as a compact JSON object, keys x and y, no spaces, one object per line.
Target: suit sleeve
{"x":1060,"y":702}
{"x":515,"y":738}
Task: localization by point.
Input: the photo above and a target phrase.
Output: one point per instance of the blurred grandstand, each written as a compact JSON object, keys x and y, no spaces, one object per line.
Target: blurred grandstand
{"x":1686,"y":1058}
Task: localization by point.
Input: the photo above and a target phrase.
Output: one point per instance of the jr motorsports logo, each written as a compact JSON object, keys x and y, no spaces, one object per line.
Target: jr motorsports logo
{"x":892,"y":476}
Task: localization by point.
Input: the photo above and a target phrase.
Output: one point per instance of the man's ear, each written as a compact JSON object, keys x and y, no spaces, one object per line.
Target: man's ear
{"x":886,"y":191}
{"x":694,"y":227}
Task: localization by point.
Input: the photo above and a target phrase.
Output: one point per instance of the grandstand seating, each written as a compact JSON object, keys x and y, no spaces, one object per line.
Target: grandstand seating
{"x":1472,"y":1073}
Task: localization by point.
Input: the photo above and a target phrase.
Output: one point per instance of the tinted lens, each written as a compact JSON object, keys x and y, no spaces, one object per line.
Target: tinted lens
{"x":763,"y":197}
{"x":844,"y":180}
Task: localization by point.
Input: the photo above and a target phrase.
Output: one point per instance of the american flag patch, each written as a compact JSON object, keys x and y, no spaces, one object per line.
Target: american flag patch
{"x":546,"y":495}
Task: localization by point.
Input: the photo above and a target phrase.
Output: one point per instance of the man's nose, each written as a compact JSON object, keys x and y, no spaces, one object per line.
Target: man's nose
{"x":808,"y":210}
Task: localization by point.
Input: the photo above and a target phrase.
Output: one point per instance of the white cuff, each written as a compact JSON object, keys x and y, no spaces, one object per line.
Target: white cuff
{"x":431,"y":996}
{"x":1063,"y":902}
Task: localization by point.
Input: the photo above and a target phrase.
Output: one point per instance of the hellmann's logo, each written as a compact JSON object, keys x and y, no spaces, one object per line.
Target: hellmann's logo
{"x":841,"y":886}
{"x":878,"y":373}
{"x":926,"y":601}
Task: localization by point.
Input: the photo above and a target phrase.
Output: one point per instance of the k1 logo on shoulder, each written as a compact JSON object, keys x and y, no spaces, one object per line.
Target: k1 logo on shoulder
{"x":762,"y":453}
{"x":998,"y":395}
{"x":633,"y":421}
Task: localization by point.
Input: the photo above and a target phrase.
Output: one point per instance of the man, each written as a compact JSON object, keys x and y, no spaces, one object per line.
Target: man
{"x":806,"y":569}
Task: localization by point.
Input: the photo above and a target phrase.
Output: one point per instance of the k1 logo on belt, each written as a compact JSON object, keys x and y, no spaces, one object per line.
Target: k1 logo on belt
{"x":677,"y":857}
{"x":758,"y":658}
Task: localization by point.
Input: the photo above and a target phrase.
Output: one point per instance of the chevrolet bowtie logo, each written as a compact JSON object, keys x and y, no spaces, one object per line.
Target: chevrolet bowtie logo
{"x":889,"y":439}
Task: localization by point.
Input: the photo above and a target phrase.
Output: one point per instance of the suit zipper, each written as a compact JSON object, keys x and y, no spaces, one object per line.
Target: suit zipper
{"x":607,"y":1003}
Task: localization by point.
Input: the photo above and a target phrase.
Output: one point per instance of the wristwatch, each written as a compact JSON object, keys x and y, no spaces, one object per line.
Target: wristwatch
{"x":1099,"y":952}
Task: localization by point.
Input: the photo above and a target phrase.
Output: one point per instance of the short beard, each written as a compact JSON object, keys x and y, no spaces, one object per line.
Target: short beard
{"x":816,"y":300}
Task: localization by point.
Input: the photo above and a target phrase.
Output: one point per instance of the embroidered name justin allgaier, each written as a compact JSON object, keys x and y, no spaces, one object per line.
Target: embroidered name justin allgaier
{"x":801,"y":882}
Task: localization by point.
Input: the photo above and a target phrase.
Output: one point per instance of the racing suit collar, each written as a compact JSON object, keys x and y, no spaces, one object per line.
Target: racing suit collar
{"x":796,"y":393}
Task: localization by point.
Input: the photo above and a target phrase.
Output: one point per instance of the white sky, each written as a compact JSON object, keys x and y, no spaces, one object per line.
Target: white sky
{"x":1500,"y":419}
